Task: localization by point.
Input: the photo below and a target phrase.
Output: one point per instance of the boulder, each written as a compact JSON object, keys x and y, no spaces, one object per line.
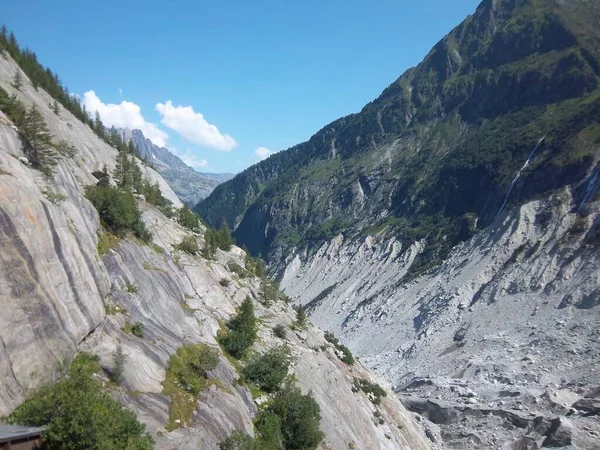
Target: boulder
{"x":559,"y":434}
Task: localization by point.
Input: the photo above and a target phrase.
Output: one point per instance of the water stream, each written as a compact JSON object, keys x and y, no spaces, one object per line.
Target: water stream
{"x":514,"y":181}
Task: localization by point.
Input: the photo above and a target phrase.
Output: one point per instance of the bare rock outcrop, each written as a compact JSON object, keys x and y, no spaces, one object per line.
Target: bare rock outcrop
{"x":58,"y":296}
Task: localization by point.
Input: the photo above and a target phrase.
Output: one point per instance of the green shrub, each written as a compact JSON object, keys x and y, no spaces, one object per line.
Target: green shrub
{"x":189,"y":366}
{"x":347,"y":357}
{"x":268,"y":432}
{"x":117,"y":210}
{"x":237,"y":269}
{"x":187,"y":218}
{"x":300,"y":418}
{"x":78,"y":415}
{"x":188,"y":245}
{"x":138,"y":329}
{"x":119,"y":358}
{"x":300,"y":317}
{"x":106,"y":241}
{"x":185,"y":377}
{"x":86,"y":364}
{"x":214,"y":239}
{"x":373,"y":390}
{"x":269,"y":370}
{"x":242,"y":331}
{"x":280,"y":331}
{"x":290,"y":422}
{"x":131,"y":288}
{"x":224,"y":282}
{"x":238,"y":441}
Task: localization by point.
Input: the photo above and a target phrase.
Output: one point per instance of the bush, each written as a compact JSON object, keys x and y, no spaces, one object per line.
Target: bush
{"x":77,"y":414}
{"x":300,"y":316}
{"x":268,"y":431}
{"x":119,"y":359}
{"x":189,"y":366}
{"x":185,"y":377}
{"x":214,"y":239}
{"x":188,"y":245}
{"x":224,"y":282}
{"x":187,"y":218}
{"x":300,"y":418}
{"x":290,"y":422}
{"x":373,"y":390}
{"x":238,"y":441}
{"x":347,"y":357}
{"x":106,"y":241}
{"x":117,"y":210}
{"x":242,"y":331}
{"x":280,"y":331}
{"x":138,"y":329}
{"x":269,"y":370}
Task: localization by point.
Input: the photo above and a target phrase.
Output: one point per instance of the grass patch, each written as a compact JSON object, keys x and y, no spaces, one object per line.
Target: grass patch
{"x":157,"y":248}
{"x":147,"y":266}
{"x":54,"y":197}
{"x":112,"y":309}
{"x":185,"y":378}
{"x":106,"y":241}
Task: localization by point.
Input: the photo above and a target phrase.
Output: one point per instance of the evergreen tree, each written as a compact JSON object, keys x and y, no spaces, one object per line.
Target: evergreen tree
{"x":99,"y":126}
{"x":17,"y":82}
{"x":242,"y":331}
{"x":37,"y":139}
{"x":56,"y":108}
{"x":132,"y":149}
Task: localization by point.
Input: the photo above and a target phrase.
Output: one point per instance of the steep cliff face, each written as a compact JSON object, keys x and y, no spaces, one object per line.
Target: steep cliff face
{"x":58,"y":296}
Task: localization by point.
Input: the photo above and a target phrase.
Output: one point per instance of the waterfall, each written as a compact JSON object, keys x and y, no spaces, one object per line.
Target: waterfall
{"x":590,"y":186}
{"x":514,"y":181}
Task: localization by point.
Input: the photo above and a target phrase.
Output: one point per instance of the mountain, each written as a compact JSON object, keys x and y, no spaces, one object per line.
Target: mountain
{"x":434,"y":155}
{"x":448,"y":232}
{"x":100,"y":319}
{"x":189,"y":185}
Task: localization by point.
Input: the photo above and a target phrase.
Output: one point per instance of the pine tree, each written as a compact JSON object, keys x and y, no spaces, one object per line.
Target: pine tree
{"x":56,"y":108}
{"x":99,"y":126}
{"x":37,"y":139}
{"x":17,"y":82}
{"x":132,"y":148}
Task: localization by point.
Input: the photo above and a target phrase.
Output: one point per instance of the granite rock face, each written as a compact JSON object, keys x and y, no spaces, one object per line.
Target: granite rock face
{"x":55,"y":291}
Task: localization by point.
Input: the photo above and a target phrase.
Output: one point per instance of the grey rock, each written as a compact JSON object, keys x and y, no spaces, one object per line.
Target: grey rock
{"x":560,"y":433}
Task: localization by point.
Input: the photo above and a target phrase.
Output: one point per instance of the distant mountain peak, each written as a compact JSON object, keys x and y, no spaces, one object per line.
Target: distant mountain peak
{"x":189,"y":185}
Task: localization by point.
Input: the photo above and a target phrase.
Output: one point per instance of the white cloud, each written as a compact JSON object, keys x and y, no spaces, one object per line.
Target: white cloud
{"x":190,"y":158}
{"x":124,"y":115}
{"x":193,"y":127}
{"x":263,"y":153}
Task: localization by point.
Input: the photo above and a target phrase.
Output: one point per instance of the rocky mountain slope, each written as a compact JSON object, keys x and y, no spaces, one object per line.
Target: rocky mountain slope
{"x":189,"y":185}
{"x":448,"y":233}
{"x":59,"y":296}
{"x":433,"y":157}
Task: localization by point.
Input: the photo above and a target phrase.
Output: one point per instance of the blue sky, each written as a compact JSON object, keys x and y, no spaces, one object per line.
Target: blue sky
{"x":266,"y":73}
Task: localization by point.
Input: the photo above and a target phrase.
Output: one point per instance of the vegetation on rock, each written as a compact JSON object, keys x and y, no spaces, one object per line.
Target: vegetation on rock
{"x":241,"y":332}
{"x":79,"y":415}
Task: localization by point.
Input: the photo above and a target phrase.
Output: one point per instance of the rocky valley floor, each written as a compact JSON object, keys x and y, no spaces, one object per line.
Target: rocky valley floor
{"x":498,"y":346}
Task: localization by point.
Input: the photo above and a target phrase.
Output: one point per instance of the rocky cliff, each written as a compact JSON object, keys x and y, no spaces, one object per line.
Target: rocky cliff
{"x":189,"y":185}
{"x":58,"y":296}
